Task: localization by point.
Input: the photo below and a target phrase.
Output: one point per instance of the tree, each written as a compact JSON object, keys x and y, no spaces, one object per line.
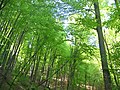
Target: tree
{"x":106,"y":73}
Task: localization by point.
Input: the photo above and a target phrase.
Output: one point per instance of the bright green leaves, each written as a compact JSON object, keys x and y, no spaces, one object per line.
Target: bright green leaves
{"x":113,"y":17}
{"x":114,"y":22}
{"x":116,"y":54}
{"x":77,"y":4}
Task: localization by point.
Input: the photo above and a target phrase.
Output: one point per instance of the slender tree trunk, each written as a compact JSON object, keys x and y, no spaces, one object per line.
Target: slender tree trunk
{"x":61,"y":81}
{"x":32,"y":70}
{"x":36,"y":68}
{"x":111,"y":66}
{"x":55,"y":88}
{"x":85,"y":79}
{"x":106,"y":73}
{"x":3,"y":3}
{"x":72,"y":66}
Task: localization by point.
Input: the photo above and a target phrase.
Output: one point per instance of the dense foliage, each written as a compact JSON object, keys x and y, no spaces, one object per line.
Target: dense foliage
{"x":56,"y":45}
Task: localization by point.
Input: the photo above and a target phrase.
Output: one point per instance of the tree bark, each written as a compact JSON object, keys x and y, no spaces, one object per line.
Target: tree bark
{"x":106,"y":73}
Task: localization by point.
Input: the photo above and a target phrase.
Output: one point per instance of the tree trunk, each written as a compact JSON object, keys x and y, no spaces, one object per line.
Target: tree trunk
{"x":106,"y":73}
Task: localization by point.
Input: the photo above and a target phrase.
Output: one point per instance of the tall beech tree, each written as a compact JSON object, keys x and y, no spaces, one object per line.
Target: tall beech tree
{"x":106,"y":73}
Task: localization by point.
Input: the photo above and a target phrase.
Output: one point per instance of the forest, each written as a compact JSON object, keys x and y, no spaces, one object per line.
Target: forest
{"x":59,"y":44}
